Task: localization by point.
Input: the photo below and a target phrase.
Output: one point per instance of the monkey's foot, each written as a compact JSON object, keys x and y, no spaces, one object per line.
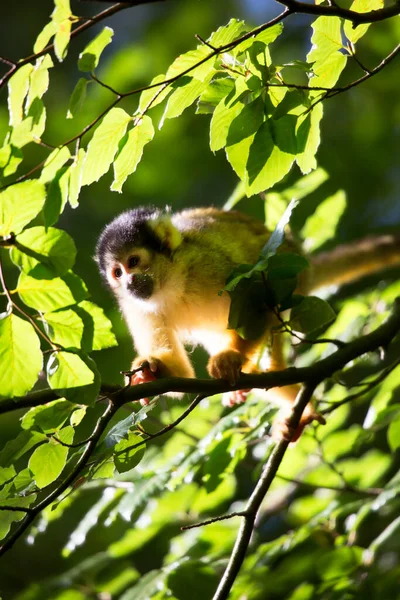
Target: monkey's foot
{"x":226,"y":365}
{"x":232,"y":398}
{"x":281,"y":428}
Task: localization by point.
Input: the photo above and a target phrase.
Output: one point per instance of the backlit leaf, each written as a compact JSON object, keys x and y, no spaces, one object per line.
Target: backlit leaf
{"x":131,"y":152}
{"x":54,"y":162}
{"x":48,"y":460}
{"x":352,"y":33}
{"x":326,"y":53}
{"x":20,"y":356}
{"x":311,"y":314}
{"x":126,"y":459}
{"x":322,"y":224}
{"x":104,"y":145}
{"x":39,"y":78}
{"x":18,"y":87}
{"x":90,"y":56}
{"x":77,"y":97}
{"x":49,"y":294}
{"x":29,"y":195}
{"x":52,"y":247}
{"x":75,"y":178}
{"x":73,"y":376}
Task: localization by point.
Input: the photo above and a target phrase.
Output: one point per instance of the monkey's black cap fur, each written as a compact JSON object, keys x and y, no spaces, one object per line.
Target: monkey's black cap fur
{"x":129,"y":229}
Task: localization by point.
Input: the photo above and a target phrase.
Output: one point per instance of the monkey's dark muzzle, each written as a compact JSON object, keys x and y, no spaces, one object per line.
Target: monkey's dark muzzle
{"x":141,"y":286}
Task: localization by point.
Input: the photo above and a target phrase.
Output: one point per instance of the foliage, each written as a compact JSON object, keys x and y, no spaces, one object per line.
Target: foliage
{"x":102,"y":502}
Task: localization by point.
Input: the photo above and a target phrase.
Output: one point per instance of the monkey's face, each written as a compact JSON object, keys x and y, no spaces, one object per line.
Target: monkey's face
{"x":129,"y":274}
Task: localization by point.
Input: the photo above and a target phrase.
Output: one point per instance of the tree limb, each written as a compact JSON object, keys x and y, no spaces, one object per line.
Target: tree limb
{"x":357,"y":18}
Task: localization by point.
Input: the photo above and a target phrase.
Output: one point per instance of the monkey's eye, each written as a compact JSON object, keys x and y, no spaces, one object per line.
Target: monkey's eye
{"x":133,"y":261}
{"x":117,"y":272}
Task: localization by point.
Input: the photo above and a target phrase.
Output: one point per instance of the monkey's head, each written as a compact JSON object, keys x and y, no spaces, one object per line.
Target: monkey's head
{"x":134,"y":252}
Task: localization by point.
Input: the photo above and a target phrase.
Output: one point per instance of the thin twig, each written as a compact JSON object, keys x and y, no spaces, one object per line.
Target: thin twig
{"x":214,"y":520}
{"x":367,"y":388}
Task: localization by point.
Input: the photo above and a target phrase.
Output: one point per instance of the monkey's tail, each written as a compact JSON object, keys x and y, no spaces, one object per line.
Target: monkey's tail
{"x":349,"y":262}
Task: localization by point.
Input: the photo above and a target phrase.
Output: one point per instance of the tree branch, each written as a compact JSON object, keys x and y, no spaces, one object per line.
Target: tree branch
{"x":357,"y":18}
{"x":323,"y":369}
{"x":256,"y":498}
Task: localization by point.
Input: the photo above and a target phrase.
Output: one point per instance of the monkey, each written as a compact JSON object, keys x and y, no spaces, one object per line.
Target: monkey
{"x":167,"y":271}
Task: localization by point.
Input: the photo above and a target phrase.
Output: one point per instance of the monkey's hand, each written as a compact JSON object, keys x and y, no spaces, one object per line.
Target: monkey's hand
{"x":151,"y":368}
{"x":144,"y":370}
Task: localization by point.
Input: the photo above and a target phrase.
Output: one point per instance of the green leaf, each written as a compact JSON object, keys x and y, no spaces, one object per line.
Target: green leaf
{"x":270,"y":155}
{"x":6,"y":474}
{"x":393,"y":434}
{"x":48,"y":460}
{"x":227,"y":33}
{"x":32,"y":127}
{"x":226,"y":111}
{"x":216,"y":90}
{"x":10,"y":159}
{"x":322,"y":224}
{"x":49,"y":294}
{"x":338,"y":562}
{"x":326,"y":53}
{"x":78,"y":97}
{"x":62,"y":37}
{"x":277,"y":236}
{"x":57,"y":196}
{"x":187,"y":91}
{"x":237,"y":195}
{"x":73,"y":376}
{"x":104,"y":145}
{"x":154,"y":95}
{"x":84,"y":326}
{"x":18,"y":87}
{"x":75,"y":177}
{"x":45,"y":36}
{"x":275,"y":203}
{"x":98,"y":328}
{"x":49,"y":417}
{"x":14,"y":449}
{"x":20,"y":356}
{"x":125,"y":458}
{"x":311,"y":314}
{"x":308,"y":138}
{"x":52,"y":247}
{"x":28,"y":194}
{"x":248,"y":309}
{"x":267,"y":36}
{"x":53,"y":164}
{"x":223,"y":456}
{"x":131,"y":152}
{"x":184,"y":62}
{"x":66,"y":328}
{"x":180,"y":581}
{"x":89,"y":58}
{"x":9,"y":517}
{"x":39,"y":78}
{"x":352,"y":33}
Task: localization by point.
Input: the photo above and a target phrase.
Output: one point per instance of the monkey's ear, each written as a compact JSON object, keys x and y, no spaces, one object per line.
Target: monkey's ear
{"x":164,"y":230}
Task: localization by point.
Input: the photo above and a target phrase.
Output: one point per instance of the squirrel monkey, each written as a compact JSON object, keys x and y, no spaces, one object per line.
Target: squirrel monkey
{"x":166,"y":271}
